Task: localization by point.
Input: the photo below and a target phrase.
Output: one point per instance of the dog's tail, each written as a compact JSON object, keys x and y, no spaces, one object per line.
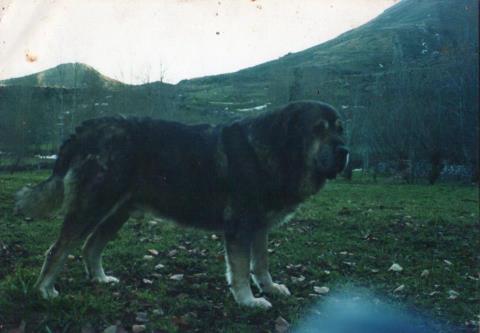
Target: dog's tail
{"x":41,"y":199}
{"x":45,"y":198}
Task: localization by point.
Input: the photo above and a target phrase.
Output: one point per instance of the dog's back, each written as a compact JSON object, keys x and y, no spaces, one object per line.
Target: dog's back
{"x":174,"y":169}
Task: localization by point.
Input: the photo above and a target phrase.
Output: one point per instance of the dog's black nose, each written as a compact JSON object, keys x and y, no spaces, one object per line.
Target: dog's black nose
{"x":341,"y":157}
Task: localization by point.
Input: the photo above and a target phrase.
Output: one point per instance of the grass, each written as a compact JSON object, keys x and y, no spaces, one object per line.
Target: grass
{"x":347,"y":235}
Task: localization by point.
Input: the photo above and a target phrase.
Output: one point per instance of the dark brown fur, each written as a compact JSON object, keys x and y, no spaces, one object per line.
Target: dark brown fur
{"x":233,"y":178}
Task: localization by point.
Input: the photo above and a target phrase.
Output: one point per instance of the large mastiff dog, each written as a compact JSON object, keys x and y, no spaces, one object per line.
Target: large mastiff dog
{"x":239,"y":179}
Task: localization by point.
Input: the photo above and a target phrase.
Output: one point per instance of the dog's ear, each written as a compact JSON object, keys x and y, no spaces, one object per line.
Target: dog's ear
{"x":290,"y":120}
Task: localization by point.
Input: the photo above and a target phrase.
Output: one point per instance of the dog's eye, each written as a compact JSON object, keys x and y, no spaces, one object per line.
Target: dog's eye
{"x":320,"y":128}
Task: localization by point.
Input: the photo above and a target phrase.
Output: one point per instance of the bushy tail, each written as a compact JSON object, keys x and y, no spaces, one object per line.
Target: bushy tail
{"x":40,"y":200}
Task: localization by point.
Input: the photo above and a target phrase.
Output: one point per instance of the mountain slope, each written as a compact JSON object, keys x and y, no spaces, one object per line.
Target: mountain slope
{"x":413,"y":34}
{"x":69,"y":75}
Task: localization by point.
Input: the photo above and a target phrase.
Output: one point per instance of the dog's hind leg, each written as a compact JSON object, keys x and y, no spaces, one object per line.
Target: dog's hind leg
{"x":98,"y":239}
{"x":259,"y":265}
{"x":90,"y":193}
{"x":237,"y":258}
{"x":73,"y":231}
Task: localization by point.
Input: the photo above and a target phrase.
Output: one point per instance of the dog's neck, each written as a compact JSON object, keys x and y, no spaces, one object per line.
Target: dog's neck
{"x":289,"y":180}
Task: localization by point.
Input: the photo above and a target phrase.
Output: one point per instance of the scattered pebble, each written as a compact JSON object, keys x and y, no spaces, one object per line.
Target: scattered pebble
{"x":147,"y":281}
{"x":321,"y":290}
{"x":396,"y":268}
{"x":141,"y":317}
{"x":158,"y":312}
{"x":214,"y":237}
{"x":71,"y":257}
{"x":138,"y":328}
{"x":159,"y":266}
{"x":425,"y":273}
{"x":109,"y":329}
{"x":148,"y":257}
{"x":448,"y":262}
{"x":281,"y":325}
{"x":452,"y":294}
{"x":399,"y":288}
{"x":176,"y":277}
{"x":153,"y":252}
{"x":298,"y":279}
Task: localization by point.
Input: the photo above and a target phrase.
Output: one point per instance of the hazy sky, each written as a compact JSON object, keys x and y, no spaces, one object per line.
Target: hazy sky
{"x":136,"y":41}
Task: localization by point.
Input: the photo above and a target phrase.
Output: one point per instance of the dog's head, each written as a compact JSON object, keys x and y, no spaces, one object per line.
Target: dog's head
{"x":315,"y":131}
{"x":328,"y":154}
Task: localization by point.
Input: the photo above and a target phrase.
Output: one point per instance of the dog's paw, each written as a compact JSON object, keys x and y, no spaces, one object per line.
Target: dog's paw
{"x":259,"y":302}
{"x":278,"y":289}
{"x":106,"y":279}
{"x":48,"y":292}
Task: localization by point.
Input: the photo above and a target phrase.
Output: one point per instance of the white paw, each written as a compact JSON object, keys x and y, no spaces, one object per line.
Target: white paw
{"x":105,"y":279}
{"x":277,"y":289}
{"x":259,"y":302}
{"x":48,"y":293}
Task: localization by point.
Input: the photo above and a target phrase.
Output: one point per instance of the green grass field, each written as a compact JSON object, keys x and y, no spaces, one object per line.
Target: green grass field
{"x":349,"y":235}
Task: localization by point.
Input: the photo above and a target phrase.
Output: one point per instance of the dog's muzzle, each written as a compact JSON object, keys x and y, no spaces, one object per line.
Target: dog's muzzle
{"x":341,"y":158}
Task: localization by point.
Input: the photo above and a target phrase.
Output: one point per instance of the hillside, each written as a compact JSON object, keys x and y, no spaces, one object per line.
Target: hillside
{"x":69,"y":76}
{"x":414,"y":34}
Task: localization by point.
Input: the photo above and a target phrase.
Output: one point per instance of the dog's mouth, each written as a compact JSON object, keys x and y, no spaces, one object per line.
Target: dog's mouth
{"x":330,"y":165}
{"x":326,"y":169}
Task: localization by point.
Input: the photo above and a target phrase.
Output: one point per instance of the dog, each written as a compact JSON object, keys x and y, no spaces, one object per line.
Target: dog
{"x":239,"y":178}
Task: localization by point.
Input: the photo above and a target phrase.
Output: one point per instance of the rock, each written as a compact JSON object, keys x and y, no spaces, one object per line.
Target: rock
{"x":114,"y":329}
{"x":109,"y":329}
{"x":295,"y":279}
{"x":158,"y":312}
{"x":452,"y":294}
{"x":141,"y":317}
{"x":425,"y":273}
{"x":396,"y":268}
{"x":399,"y":288}
{"x":153,"y":252}
{"x":321,"y":290}
{"x":138,"y":328}
{"x":159,"y":266}
{"x":281,"y":325}
{"x":148,"y":257}
{"x":176,"y":277}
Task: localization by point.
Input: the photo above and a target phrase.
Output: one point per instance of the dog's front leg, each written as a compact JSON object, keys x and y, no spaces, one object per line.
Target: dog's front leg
{"x":259,"y":265}
{"x":237,"y":258}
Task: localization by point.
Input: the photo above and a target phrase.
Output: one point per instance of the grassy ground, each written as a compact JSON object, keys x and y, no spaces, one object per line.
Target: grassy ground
{"x":348,"y":235}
